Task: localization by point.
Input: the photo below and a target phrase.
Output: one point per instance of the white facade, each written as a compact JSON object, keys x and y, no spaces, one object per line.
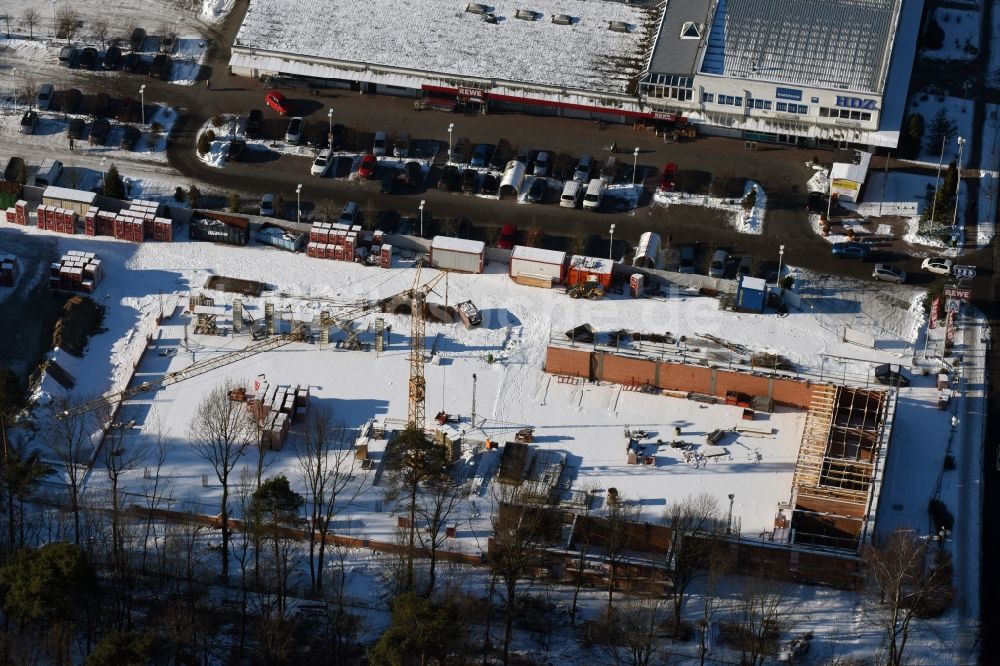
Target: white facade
{"x":536,"y":261}
{"x":458,"y":254}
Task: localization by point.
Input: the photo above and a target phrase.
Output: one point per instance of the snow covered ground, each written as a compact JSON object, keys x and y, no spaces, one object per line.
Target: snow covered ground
{"x":453,"y":41}
{"x":961,"y":34}
{"x":957,"y":110}
{"x":747,"y":222}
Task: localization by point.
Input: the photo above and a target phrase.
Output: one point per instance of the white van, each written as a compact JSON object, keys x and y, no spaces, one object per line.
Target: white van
{"x":595,"y":194}
{"x":571,"y":194}
{"x":48,"y":173}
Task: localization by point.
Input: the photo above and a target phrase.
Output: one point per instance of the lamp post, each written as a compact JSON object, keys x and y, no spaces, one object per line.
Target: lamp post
{"x":142,"y":101}
{"x":451,"y":126}
{"x":13,"y":85}
{"x":729,"y":520}
{"x":635,"y":164}
{"x":611,"y":243}
{"x":781,"y":255}
{"x":329,"y":115}
{"x":422,"y":202}
{"x":104,"y":175}
{"x":958,"y":184}
{"x":298,"y":203}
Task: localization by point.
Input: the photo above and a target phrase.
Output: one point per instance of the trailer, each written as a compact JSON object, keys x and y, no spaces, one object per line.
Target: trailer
{"x":537,"y":267}
{"x":581,"y":269}
{"x":458,"y":254}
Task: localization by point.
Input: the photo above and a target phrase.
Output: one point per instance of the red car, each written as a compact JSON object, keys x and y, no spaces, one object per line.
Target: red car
{"x":277,"y":101}
{"x":667,"y":179}
{"x":508,"y":236}
{"x":367,"y":167}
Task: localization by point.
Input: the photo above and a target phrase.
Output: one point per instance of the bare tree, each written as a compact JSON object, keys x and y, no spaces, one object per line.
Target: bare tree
{"x":31,"y":18}
{"x":617,"y":539}
{"x":221,"y":431}
{"x":721,"y":562}
{"x":436,"y":508}
{"x":631,"y":634}
{"x":69,"y":440}
{"x":100,"y":28}
{"x":759,"y":617}
{"x":67,"y":22}
{"x":156,"y":489}
{"x":119,"y":454}
{"x":5,"y":17}
{"x":327,"y":468}
{"x":904,"y":578}
{"x":693,"y":522}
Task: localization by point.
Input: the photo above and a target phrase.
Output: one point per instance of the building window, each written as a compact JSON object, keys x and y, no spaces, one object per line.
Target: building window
{"x":707,"y":98}
{"x":781,"y":106}
{"x":865,"y":115}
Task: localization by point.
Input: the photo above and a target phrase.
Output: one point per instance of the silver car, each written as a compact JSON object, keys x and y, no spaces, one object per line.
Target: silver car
{"x":888,"y":273}
{"x":583,"y":168}
{"x":296,"y":128}
{"x":44,"y":98}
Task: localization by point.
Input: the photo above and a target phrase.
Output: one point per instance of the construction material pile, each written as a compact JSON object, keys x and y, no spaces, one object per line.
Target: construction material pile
{"x":348,"y":242}
{"x":275,"y":407}
{"x":76,"y":271}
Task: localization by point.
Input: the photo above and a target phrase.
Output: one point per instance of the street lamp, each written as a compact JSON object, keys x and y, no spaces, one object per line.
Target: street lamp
{"x":611,"y":244}
{"x":329,"y":114}
{"x":451,"y":126}
{"x":13,"y":85}
{"x":729,"y":521}
{"x":142,"y":101}
{"x":958,"y":184}
{"x":298,"y":203}
{"x":635,"y":163}
{"x":781,"y":255}
{"x":104,"y":176}
{"x":422,"y":202}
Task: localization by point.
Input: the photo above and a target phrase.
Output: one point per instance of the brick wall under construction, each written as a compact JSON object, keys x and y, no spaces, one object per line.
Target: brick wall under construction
{"x":604,"y":366}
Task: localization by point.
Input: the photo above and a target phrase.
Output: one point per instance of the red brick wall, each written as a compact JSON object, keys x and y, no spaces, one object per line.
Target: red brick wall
{"x":682,"y":377}
{"x":563,"y":361}
{"x":624,"y":370}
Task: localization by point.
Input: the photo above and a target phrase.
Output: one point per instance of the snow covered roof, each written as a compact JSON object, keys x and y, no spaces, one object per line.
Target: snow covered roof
{"x":756,"y":284}
{"x":458,"y":245}
{"x":538,"y":254}
{"x":826,"y":43}
{"x":439,"y":36}
{"x":66,"y":194}
{"x":851,"y":165}
{"x":590,"y":264}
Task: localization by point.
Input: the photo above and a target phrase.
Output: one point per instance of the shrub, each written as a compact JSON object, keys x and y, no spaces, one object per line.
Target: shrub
{"x":218,"y":120}
{"x":943,"y":520}
{"x":179,"y":193}
{"x":204,"y":144}
{"x":234,"y":203}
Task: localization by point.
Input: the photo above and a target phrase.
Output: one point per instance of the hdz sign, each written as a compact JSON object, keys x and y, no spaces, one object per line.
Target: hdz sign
{"x":964,"y":272}
{"x":855,"y":103}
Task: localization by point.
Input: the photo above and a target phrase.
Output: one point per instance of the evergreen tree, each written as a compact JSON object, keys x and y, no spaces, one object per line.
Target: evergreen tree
{"x":114,"y":187}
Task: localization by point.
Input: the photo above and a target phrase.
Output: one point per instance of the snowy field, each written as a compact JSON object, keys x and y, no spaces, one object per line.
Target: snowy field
{"x":438,"y":36}
{"x":958,"y":111}
{"x":961,"y":34}
{"x":744,"y":221}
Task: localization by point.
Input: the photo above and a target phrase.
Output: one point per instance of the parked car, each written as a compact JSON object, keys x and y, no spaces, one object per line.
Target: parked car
{"x":88,"y":58}
{"x":502,"y":154}
{"x":581,"y":173}
{"x":508,"y":237}
{"x":717,"y":268}
{"x":367,"y":167}
{"x":321,"y":165}
{"x":252,"y":126}
{"x":277,"y":101}
{"x":388,"y":182}
{"x":29,"y":121}
{"x":889,"y":273}
{"x":685,"y":263}
{"x":490,"y":184}
{"x":460,"y":151}
{"x":129,"y":110}
{"x":379,"y":145}
{"x":112,"y":58}
{"x":43,"y":100}
{"x":937,"y":265}
{"x":66,"y":55}
{"x":401,"y":148}
{"x":75,"y":129}
{"x":68,"y":101}
{"x":130,"y":137}
{"x":350,"y":214}
{"x":160,"y":68}
{"x":536,"y":191}
{"x":168,"y":43}
{"x":137,"y":38}
{"x":541,"y":164}
{"x":595,"y":194}
{"x":99,"y":132}
{"x":572,"y":194}
{"x":336,"y":137}
{"x":413,"y":174}
{"x":523,"y":155}
{"x":852,"y":250}
{"x":816,"y":203}
{"x":450,"y":179}
{"x":237,"y":147}
{"x":667,"y":178}
{"x":104,"y":105}
{"x":132,"y":62}
{"x":267,"y":205}
{"x":470,"y":180}
{"x":745,"y":267}
{"x":296,"y":127}
{"x":480,"y":155}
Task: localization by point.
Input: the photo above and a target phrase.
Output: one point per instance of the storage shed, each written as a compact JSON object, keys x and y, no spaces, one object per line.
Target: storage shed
{"x":458,"y":254}
{"x":537,"y":267}
{"x":581,"y":268}
{"x":78,"y":201}
{"x":647,"y":252}
{"x":751,"y":294}
{"x":513,"y":178}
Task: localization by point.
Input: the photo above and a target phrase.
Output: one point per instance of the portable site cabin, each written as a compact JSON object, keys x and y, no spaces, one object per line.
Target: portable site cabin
{"x":850,"y":168}
{"x":513,"y":178}
{"x":581,"y":268}
{"x":458,"y":254}
{"x":536,"y":267}
{"x":647,"y":253}
{"x":78,"y":201}
{"x":751,"y":294}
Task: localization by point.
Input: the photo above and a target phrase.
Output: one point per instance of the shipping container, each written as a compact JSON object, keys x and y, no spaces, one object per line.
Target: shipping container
{"x":536,"y":262}
{"x":583,"y":268}
{"x":218,"y":231}
{"x":751,"y":294}
{"x":270,"y":234}
{"x":458,"y":254}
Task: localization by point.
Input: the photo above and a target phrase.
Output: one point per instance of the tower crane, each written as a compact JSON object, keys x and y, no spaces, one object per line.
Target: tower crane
{"x":416,"y":414}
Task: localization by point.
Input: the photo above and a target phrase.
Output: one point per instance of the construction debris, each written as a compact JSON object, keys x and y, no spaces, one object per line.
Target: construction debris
{"x":771,"y":361}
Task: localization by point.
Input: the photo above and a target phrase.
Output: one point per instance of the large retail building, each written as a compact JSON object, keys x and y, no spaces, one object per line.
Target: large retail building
{"x":794,"y":71}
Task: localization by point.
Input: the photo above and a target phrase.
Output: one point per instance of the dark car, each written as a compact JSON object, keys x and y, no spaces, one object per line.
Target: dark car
{"x":414,"y":174}
{"x":160,"y":69}
{"x":508,"y":237}
{"x":490,"y":184}
{"x":236,"y":149}
{"x":536,"y":191}
{"x":29,"y":121}
{"x":816,"y":203}
{"x":450,"y":180}
{"x":104,"y":106}
{"x":502,"y":154}
{"x":168,"y":43}
{"x":68,"y":101}
{"x":99,"y":132}
{"x":88,"y":58}
{"x":137,"y":38}
{"x":113,"y":58}
{"x":75,"y":129}
{"x":470,"y":180}
{"x":129,"y":111}
{"x":388,"y":182}
{"x":132,"y":62}
{"x":66,"y":55}
{"x":252,"y":127}
{"x":481,"y":155}
{"x":852,"y":250}
{"x":130,"y":137}
{"x":337,"y":137}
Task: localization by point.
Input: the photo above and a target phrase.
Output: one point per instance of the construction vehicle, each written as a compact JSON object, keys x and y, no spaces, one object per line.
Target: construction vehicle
{"x":590,"y":288}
